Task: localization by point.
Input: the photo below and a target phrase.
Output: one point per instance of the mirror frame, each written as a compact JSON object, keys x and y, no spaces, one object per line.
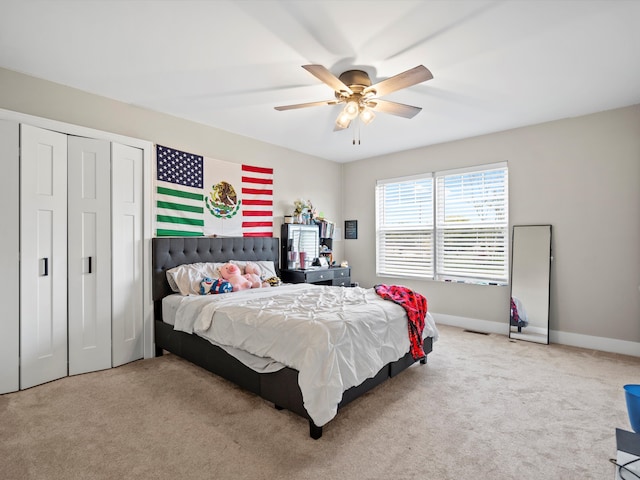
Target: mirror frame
{"x":519,"y":334}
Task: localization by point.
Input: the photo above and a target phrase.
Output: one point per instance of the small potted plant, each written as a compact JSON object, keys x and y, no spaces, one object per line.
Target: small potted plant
{"x":303,"y":212}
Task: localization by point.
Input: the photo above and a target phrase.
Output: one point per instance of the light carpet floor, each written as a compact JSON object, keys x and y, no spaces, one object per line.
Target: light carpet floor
{"x":484,"y":407}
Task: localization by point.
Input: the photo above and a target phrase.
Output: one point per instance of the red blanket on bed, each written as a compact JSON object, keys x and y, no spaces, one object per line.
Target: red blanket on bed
{"x":415,"y":305}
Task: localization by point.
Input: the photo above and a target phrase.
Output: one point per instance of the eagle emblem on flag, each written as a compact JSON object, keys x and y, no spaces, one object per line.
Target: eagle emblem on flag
{"x":223,"y":201}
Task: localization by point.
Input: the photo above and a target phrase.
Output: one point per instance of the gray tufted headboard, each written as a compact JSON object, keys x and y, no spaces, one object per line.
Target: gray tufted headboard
{"x":169,"y":252}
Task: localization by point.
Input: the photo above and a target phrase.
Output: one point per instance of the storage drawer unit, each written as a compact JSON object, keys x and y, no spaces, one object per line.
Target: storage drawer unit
{"x":321,"y":276}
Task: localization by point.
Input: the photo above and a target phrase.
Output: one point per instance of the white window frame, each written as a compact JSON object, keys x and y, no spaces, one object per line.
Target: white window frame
{"x":477,"y":225}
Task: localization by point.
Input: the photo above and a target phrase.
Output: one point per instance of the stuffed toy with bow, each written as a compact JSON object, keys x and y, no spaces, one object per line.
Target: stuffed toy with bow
{"x":252,"y":273}
{"x":232,"y":274}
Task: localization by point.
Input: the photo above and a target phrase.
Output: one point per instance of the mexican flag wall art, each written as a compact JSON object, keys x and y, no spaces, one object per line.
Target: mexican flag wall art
{"x":196,"y":196}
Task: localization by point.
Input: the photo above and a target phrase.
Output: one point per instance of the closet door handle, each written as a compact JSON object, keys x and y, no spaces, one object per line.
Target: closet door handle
{"x":46,"y":267}
{"x":90,"y":265}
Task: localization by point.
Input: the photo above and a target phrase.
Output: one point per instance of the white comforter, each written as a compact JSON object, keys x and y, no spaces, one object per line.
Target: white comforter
{"x":335,"y":337}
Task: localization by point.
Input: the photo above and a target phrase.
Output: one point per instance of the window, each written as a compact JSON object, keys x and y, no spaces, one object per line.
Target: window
{"x":472,"y":224}
{"x":404,"y":227}
{"x":450,"y":225}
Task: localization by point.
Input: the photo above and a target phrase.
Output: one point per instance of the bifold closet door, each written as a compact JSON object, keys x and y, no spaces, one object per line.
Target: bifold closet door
{"x":43,"y":256}
{"x":9,"y":265}
{"x":89,"y":255}
{"x":126,"y":244}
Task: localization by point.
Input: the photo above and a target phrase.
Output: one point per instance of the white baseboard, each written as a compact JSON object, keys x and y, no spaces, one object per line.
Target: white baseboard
{"x":604,"y":344}
{"x":474,"y":324}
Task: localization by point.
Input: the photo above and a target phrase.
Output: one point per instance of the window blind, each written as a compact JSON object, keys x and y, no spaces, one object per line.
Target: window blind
{"x":472,"y":224}
{"x":404,"y":227}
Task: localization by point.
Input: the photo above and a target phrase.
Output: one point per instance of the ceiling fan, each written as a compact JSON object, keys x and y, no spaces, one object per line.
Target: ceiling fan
{"x":354,"y":89}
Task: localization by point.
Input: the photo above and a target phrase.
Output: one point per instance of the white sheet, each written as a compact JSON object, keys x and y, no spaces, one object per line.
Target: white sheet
{"x":170,"y":305}
{"x":335,"y":337}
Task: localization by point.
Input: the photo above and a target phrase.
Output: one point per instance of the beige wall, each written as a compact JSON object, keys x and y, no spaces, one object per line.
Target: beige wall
{"x":293,"y":172}
{"x":582,"y":175}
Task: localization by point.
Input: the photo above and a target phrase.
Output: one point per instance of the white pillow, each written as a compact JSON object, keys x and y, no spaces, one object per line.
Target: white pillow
{"x":185,"y":279}
{"x":267,"y":269}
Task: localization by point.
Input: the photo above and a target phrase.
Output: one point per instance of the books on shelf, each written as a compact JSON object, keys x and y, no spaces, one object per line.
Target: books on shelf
{"x":326,"y":228}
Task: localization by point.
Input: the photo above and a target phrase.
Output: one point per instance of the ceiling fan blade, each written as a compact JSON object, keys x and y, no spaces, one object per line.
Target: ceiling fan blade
{"x":399,"y":109}
{"x":305,"y":105}
{"x":327,"y":77}
{"x":406,"y":79}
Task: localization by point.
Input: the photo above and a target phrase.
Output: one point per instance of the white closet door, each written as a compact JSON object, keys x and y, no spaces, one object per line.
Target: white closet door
{"x":9,"y":265}
{"x":43,"y":256}
{"x":89,"y":262}
{"x":126,"y":244}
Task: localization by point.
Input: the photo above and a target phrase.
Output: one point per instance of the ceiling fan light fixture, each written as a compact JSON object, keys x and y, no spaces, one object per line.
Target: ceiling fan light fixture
{"x":351,"y":109}
{"x":343,"y":120}
{"x":360,"y":97}
{"x":367,"y":116}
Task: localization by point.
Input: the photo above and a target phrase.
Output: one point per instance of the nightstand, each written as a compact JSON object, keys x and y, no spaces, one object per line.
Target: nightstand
{"x":337,"y":276}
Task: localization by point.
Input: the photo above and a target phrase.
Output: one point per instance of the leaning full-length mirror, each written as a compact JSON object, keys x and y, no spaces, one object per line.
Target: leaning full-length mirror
{"x":530,"y":271}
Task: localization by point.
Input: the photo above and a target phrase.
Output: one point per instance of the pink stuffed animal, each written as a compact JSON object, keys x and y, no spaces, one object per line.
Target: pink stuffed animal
{"x":231,"y":273}
{"x":252,"y":273}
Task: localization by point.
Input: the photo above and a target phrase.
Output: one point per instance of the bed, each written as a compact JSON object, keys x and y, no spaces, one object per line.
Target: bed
{"x":281,"y":384}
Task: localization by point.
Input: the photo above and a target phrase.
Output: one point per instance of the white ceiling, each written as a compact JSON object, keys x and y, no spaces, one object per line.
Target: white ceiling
{"x":496,"y":64}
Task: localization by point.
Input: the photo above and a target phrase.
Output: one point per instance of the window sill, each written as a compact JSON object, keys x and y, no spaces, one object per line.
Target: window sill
{"x":444,"y":280}
{"x":475,"y":282}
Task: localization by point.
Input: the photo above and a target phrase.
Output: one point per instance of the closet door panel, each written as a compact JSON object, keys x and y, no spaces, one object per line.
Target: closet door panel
{"x":126,"y":212}
{"x":43,"y":256}
{"x":9,"y":265}
{"x":89,"y":231}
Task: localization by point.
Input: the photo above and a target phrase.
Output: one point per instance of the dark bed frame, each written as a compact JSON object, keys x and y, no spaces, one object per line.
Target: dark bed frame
{"x":279,"y":387}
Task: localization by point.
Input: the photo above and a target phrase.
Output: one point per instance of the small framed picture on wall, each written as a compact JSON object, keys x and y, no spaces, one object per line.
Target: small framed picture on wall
{"x":351,"y":229}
